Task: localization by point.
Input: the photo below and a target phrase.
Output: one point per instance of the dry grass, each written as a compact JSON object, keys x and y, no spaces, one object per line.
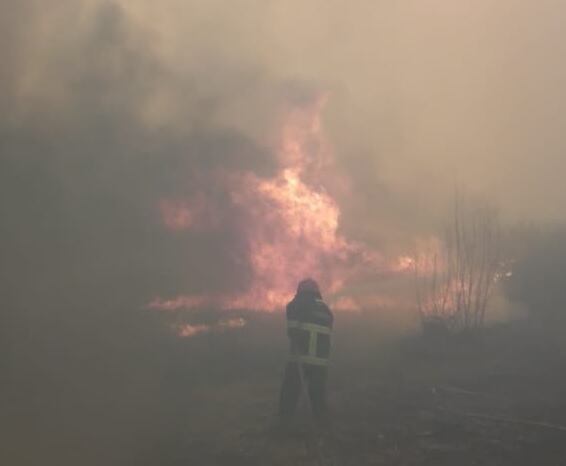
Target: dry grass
{"x":211,"y":399}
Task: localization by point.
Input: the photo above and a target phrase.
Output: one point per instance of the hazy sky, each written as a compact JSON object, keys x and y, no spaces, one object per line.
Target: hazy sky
{"x":110,"y":106}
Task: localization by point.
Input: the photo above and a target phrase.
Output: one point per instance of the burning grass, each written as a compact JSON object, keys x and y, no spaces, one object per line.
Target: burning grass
{"x":289,"y":222}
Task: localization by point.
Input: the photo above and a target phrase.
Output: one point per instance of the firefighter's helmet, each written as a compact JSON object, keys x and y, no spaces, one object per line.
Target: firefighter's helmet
{"x":308,"y":285}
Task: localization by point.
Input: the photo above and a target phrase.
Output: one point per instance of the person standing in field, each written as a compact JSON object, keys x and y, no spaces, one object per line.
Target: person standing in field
{"x":309,"y":327}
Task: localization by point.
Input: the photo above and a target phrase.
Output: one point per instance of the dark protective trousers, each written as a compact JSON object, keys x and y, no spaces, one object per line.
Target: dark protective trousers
{"x":315,"y":379}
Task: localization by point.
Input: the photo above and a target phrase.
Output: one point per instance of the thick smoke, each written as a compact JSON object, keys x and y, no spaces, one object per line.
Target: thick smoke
{"x":111,"y":107}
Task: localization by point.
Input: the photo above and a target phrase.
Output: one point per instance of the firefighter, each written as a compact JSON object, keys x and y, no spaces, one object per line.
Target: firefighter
{"x":309,"y":326}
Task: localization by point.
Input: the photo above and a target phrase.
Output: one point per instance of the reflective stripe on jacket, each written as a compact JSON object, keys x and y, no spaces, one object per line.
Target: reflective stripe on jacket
{"x":309,"y":326}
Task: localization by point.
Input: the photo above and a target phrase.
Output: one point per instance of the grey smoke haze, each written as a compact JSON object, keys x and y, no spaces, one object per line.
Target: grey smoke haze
{"x":108,"y":107}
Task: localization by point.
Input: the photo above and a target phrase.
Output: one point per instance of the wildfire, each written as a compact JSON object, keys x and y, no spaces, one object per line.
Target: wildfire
{"x":183,"y":215}
{"x":190,"y":330}
{"x":292,"y":226}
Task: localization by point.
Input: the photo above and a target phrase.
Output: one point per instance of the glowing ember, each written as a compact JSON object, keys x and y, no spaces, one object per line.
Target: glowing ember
{"x":190,"y":330}
{"x":177,"y":216}
{"x":179,"y":302}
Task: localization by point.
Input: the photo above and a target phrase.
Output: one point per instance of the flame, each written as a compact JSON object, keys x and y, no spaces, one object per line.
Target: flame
{"x":404,"y":264}
{"x":346,"y":304}
{"x":179,"y":302}
{"x":292,"y":225}
{"x":194,"y":214}
{"x":176,"y":215}
{"x":190,"y":330}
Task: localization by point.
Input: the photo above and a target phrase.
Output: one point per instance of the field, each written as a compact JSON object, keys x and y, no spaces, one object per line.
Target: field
{"x":149,"y":398}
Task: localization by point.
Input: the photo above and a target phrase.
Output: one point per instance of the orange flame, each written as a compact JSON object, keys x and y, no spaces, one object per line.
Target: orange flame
{"x":190,"y":330}
{"x":292,"y":226}
{"x":182,"y":215}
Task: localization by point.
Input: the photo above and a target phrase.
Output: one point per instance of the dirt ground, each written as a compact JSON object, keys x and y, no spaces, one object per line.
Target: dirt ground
{"x":150,"y":398}
{"x":497,"y":399}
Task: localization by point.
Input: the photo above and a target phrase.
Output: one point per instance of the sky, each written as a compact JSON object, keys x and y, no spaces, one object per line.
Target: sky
{"x":110,"y":107}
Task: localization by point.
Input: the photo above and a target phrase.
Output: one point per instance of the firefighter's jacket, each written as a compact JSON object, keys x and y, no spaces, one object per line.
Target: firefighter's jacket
{"x":309,"y":326}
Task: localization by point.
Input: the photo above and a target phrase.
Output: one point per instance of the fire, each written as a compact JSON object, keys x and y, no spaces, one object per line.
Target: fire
{"x":292,"y":226}
{"x":190,"y":330}
{"x":405,"y":264}
{"x":177,"y":216}
{"x":183,"y":215}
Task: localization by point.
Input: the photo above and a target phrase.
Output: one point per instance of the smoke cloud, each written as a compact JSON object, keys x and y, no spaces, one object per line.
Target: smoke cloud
{"x":125,"y":123}
{"x":112,"y":107}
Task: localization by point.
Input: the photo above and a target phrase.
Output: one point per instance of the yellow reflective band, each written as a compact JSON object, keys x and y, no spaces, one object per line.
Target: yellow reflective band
{"x":293,"y":324}
{"x":312,"y":342}
{"x":310,"y":360}
{"x":316,"y":328}
{"x":309,"y":327}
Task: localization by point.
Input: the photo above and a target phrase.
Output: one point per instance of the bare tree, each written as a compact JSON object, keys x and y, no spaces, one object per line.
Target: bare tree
{"x":455,"y":276}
